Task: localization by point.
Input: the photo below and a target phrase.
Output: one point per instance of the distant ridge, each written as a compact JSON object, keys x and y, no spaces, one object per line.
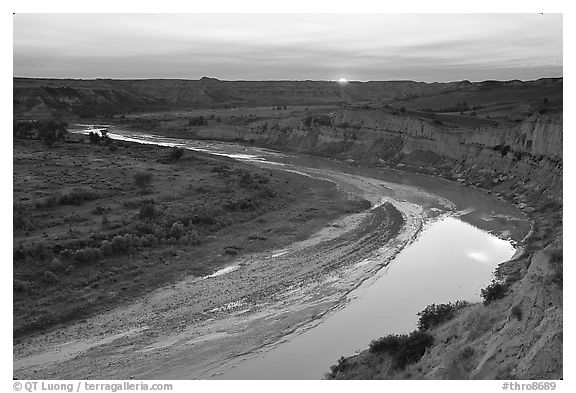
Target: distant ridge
{"x":45,"y":97}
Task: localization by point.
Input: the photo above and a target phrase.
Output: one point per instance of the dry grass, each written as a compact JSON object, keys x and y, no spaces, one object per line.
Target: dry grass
{"x":101,"y":243}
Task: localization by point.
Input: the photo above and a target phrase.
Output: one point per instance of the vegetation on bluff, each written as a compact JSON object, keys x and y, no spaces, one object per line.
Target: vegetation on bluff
{"x":95,"y":227}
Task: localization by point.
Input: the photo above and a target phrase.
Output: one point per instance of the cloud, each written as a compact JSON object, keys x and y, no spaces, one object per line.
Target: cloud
{"x":433,"y":47}
{"x":478,"y":256}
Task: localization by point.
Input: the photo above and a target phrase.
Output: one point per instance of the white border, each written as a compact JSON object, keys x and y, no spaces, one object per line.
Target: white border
{"x":294,"y":6}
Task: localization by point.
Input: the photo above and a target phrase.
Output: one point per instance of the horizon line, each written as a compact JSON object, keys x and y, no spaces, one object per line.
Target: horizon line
{"x":285,"y":80}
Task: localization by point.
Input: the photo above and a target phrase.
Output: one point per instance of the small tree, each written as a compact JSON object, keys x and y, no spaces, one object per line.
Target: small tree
{"x":143,"y":180}
{"x":94,"y":137}
{"x":404,"y":349}
{"x":435,"y":314}
{"x":493,"y":292}
{"x":51,"y":131}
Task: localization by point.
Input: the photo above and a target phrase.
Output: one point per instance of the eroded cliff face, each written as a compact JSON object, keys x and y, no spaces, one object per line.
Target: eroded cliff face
{"x":518,"y":161}
{"x":523,"y":155}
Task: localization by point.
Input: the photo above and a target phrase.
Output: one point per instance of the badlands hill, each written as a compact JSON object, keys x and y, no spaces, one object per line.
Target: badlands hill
{"x":70,"y":98}
{"x":503,"y":138}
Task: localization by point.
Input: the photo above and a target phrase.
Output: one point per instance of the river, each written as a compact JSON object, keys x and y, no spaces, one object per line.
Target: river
{"x":464,"y":235}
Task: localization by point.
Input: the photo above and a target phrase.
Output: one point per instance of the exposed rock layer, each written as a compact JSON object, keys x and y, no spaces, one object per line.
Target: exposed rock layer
{"x":521,"y":162}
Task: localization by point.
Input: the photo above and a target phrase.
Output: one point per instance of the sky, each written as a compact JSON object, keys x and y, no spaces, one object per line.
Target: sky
{"x":422,"y":47}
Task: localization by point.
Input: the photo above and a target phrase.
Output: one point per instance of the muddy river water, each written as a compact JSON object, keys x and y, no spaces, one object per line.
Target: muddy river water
{"x":460,"y":235}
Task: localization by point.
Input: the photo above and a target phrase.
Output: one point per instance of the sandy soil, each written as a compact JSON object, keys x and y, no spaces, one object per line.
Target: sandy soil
{"x":186,"y":329}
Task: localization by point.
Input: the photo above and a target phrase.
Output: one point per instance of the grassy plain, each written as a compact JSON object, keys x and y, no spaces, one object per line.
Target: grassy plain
{"x":88,"y":236}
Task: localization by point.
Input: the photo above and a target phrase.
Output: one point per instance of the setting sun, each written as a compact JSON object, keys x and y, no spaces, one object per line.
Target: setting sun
{"x":342,"y":81}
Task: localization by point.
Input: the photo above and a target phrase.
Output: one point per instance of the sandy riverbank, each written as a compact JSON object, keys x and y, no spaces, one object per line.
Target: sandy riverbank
{"x":185,"y":329}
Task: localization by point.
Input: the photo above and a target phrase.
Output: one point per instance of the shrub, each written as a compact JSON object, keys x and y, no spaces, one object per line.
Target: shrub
{"x":143,"y":180}
{"x":266,"y":193}
{"x":94,"y":137}
{"x":122,"y":244}
{"x":512,"y":277}
{"x":231,"y":251}
{"x":98,"y":210}
{"x":506,"y":373}
{"x":18,"y":253}
{"x":49,"y":278}
{"x":147,"y":228}
{"x":192,"y":237}
{"x":362,"y":204}
{"x":556,"y":261}
{"x":87,"y":255}
{"x":48,"y":202}
{"x":21,"y":219}
{"x":149,"y":240}
{"x":504,"y":150}
{"x":493,"y":292}
{"x":22,"y":286}
{"x":143,"y":228}
{"x":197,"y":121}
{"x":177,"y":230}
{"x":338,"y":367}
{"x":48,"y":138}
{"x":175,"y":153}
{"x":321,"y":120}
{"x":106,"y":248}
{"x":51,"y":131}
{"x":66,"y":254}
{"x":246,"y":179}
{"x":77,"y":196}
{"x":56,"y":264}
{"x":389,"y":344}
{"x":549,"y":206}
{"x":40,"y":251}
{"x":221,"y":168}
{"x":466,"y":353}
{"x":262,"y":179}
{"x":135,"y":204}
{"x":516,"y":312}
{"x":23,"y":129}
{"x":404,"y":349}
{"x":479,"y":321}
{"x":147,"y":211}
{"x":435,"y":314}
{"x":241,"y":204}
{"x":203,"y":215}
